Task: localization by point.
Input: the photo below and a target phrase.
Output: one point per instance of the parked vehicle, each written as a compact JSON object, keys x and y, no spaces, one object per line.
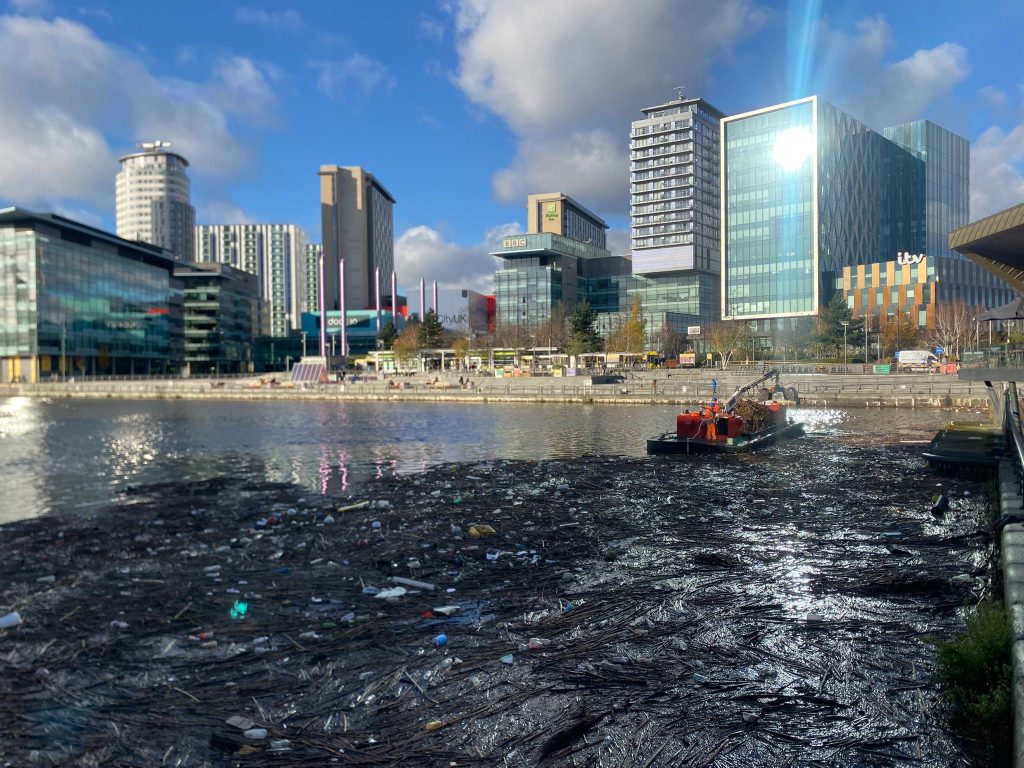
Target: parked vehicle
{"x":917,"y":360}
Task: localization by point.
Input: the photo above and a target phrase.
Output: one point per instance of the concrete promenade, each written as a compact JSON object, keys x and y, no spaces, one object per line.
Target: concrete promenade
{"x":641,"y":387}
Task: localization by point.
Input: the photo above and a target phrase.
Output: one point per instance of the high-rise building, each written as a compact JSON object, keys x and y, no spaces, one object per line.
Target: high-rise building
{"x":947,"y":172}
{"x":153,"y":199}
{"x":358,"y":226}
{"x":311,"y":278}
{"x":274,"y":253}
{"x":815,"y":202}
{"x":561,"y":215}
{"x":674,"y":187}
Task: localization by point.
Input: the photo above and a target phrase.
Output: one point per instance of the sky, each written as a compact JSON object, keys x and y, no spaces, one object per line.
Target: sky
{"x":462,"y":108}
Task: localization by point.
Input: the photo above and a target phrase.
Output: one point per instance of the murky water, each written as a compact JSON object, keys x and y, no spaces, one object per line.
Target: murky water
{"x":64,"y":455}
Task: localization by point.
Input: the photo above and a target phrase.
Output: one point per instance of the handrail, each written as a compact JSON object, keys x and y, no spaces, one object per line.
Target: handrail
{"x":1012,"y":425}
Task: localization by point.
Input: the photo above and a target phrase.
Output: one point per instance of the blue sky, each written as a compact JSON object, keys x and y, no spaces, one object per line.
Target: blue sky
{"x":463,"y":107}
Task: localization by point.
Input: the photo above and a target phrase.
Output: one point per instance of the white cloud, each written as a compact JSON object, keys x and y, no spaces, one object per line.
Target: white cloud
{"x":73,"y":103}
{"x":95,"y":12}
{"x":618,"y":241}
{"x":222,"y":212}
{"x":289,"y":20}
{"x":584,"y":70}
{"x":856,"y":76}
{"x":422,"y":251}
{"x":994,"y":98}
{"x":432,"y":29}
{"x":996,"y":179}
{"x":31,"y":7}
{"x":334,"y":78}
{"x":594,"y":161}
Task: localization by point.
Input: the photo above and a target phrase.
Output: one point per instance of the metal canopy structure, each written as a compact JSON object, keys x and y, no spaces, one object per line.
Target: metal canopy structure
{"x":995,"y":243}
{"x":1012,"y":311}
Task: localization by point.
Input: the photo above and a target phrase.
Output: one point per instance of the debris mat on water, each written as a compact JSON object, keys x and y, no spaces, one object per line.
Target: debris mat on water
{"x":771,"y":609}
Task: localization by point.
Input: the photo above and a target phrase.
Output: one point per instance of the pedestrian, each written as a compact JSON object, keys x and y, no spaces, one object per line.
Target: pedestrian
{"x":714,"y":386}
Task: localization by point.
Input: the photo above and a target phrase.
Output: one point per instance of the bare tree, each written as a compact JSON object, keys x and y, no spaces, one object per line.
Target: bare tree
{"x":726,"y":338}
{"x":953,"y":328}
{"x":553,"y":332}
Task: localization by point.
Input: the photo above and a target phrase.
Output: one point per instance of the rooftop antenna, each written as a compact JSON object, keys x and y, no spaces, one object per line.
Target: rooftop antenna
{"x":679,"y":92}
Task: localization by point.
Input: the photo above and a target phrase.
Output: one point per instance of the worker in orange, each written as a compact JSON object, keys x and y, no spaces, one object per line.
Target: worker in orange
{"x":711,"y":416}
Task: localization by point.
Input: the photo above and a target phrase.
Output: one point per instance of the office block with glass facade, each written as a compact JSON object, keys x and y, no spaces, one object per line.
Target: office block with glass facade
{"x":75,"y":300}
{"x":946,"y":159}
{"x":810,"y":192}
{"x":223,"y":316}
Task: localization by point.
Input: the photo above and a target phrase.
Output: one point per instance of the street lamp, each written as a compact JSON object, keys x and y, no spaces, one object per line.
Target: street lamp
{"x":303,"y":343}
{"x":844,"y":323}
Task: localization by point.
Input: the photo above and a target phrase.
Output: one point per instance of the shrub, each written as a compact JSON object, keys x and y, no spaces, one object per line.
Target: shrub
{"x":977,"y":675}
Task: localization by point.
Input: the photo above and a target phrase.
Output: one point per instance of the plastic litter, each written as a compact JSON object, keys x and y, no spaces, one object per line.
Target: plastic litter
{"x":390,"y":594}
{"x":478,"y":530}
{"x":448,"y":610}
{"x":433,"y":725}
{"x":413,"y":583}
{"x":506,"y":659}
{"x":255,"y":734}
{"x":240,"y":722}
{"x":116,"y":624}
{"x":441,"y":640}
{"x":280,"y":745}
{"x":11,"y":619}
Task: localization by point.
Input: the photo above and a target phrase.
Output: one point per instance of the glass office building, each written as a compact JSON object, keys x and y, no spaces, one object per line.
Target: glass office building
{"x":814,"y":202}
{"x":223,"y":316}
{"x":75,"y":300}
{"x":946,"y":161}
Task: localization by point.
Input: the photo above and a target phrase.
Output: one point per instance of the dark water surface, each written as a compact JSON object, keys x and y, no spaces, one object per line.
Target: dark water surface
{"x":57,"y":456}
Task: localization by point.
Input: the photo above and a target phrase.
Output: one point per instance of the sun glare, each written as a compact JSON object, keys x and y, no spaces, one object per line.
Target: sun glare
{"x":792,"y":147}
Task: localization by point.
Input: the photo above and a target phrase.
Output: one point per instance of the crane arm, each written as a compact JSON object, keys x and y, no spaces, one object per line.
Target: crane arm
{"x":734,"y":400}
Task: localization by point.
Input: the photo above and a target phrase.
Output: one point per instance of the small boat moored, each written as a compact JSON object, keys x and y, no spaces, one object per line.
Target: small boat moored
{"x":743,"y":425}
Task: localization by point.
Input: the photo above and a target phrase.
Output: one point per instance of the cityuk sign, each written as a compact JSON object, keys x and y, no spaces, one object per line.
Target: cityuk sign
{"x":906,"y":257}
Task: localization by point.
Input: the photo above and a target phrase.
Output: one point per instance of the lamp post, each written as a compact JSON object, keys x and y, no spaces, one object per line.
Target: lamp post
{"x":303,"y":343}
{"x":63,"y":349}
{"x":844,"y":323}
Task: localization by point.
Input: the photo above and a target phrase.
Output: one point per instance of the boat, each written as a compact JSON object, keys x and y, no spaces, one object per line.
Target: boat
{"x":743,"y":425}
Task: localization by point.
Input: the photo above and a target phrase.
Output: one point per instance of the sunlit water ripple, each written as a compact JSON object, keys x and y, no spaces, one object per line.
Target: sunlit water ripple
{"x":64,"y":455}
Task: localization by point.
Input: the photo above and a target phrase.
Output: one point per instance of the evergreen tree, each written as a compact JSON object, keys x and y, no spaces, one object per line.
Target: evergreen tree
{"x":583,"y":336}
{"x":387,"y":335}
{"x":829,"y":333}
{"x":431,"y":332}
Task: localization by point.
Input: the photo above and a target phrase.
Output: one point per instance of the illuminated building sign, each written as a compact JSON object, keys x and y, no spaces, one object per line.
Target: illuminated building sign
{"x":906,"y":257}
{"x":514,"y":242}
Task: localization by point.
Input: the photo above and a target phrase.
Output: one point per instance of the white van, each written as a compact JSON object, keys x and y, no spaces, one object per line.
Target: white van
{"x":916,"y":360}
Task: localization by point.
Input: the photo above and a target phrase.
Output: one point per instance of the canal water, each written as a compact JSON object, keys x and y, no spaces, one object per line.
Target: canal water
{"x":67,"y":455}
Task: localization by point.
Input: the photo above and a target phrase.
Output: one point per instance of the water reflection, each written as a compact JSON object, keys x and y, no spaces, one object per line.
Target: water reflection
{"x":66,"y":454}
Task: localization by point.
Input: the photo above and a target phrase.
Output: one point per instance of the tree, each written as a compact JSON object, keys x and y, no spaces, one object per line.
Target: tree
{"x":953,"y":328}
{"x":387,"y":334}
{"x":583,"y":336}
{"x":728,"y":337}
{"x":829,"y":333}
{"x":407,"y":346}
{"x":631,"y":336}
{"x":671,"y":343}
{"x":553,"y":332}
{"x":897,"y":332}
{"x":431,"y":333}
